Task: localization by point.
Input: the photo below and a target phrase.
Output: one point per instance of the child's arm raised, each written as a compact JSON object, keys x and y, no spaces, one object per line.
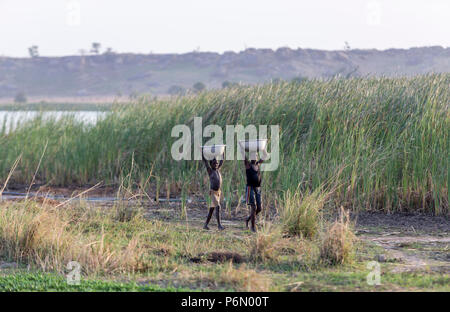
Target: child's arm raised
{"x":221,"y":161}
{"x":208,"y":168}
{"x":264,"y":156}
{"x":246,"y":162}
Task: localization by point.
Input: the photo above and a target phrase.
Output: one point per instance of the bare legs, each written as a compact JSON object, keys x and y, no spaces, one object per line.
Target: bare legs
{"x":219,"y":225}
{"x":252,"y":217}
{"x":208,"y":218}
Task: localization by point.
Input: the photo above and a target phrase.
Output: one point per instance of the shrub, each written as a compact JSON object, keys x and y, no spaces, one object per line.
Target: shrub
{"x":338,"y":241}
{"x":301,"y":215}
{"x":176,"y":90}
{"x":49,"y":238}
{"x":228,"y":84}
{"x":20,"y":98}
{"x":262,"y":245}
{"x":199,"y":87}
{"x":244,"y":279}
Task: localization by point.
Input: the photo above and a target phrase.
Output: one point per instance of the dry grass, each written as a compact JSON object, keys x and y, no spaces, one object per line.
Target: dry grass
{"x":48,"y":235}
{"x":244,"y":279}
{"x":301,"y":215}
{"x":106,"y":243}
{"x":221,"y":276}
{"x":124,"y":212}
{"x":337,"y":245}
{"x":263,"y":245}
{"x":111,"y":241}
{"x":50,"y":238}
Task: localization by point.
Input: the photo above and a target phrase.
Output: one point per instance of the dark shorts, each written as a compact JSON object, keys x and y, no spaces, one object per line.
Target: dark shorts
{"x":253,"y":196}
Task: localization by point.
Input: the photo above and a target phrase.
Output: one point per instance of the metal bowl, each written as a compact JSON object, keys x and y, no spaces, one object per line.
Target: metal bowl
{"x":253,"y":145}
{"x":212,"y":151}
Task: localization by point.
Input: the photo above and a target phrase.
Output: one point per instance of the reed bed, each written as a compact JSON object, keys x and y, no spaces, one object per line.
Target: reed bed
{"x":382,"y":142}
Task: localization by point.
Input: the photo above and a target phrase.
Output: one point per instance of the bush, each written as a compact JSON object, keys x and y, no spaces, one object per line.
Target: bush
{"x":243,"y":279}
{"x":199,"y":87}
{"x":176,"y":90}
{"x":299,"y":79}
{"x":228,"y":84}
{"x":301,"y":215}
{"x":337,"y":243}
{"x":20,"y":98}
{"x":263,"y":245}
{"x":48,"y":238}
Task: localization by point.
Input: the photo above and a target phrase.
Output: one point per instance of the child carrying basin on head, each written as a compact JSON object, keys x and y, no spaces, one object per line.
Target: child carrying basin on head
{"x":253,"y":188}
{"x":215,"y":180}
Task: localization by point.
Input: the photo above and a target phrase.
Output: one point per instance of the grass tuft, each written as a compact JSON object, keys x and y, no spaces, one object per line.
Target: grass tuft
{"x":244,"y":279}
{"x":337,"y":245}
{"x":301,"y":215}
{"x":263,"y":245}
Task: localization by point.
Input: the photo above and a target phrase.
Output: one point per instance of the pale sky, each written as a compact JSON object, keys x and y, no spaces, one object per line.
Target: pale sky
{"x":63,"y":27}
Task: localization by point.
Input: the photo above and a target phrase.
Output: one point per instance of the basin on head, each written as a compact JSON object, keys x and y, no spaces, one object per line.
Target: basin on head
{"x":253,"y":145}
{"x":212,"y":151}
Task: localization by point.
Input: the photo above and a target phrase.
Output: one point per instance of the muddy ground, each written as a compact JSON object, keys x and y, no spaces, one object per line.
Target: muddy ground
{"x":403,"y":242}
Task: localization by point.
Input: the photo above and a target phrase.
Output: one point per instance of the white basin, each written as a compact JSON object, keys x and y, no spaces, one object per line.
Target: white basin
{"x":253,"y":145}
{"x":211,"y":151}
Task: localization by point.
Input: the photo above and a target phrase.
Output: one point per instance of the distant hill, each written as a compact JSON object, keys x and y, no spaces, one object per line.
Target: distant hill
{"x":125,"y":74}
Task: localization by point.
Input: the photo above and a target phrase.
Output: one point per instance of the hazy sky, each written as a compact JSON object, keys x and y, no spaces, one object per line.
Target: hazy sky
{"x":63,"y":27}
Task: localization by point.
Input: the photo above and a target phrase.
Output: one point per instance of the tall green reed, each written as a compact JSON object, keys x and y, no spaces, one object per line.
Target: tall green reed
{"x":390,"y":136}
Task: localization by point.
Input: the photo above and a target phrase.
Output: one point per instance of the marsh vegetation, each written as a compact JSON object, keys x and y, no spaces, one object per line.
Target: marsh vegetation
{"x":347,"y":145}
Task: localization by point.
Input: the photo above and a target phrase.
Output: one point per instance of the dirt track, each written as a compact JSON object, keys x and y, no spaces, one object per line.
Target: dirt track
{"x":411,"y":242}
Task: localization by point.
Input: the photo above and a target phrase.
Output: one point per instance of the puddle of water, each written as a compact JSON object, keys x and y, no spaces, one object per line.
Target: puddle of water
{"x":15,"y":195}
{"x":10,"y":119}
{"x":18,"y":195}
